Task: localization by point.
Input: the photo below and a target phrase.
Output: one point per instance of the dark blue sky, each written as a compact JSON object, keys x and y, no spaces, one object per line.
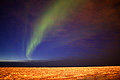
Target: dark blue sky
{"x":91,"y":32}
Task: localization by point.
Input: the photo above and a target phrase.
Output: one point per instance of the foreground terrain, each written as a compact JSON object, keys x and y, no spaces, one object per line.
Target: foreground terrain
{"x":60,"y":73}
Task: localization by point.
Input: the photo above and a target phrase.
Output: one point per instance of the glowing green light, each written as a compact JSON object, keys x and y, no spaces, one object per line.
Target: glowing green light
{"x":58,"y":13}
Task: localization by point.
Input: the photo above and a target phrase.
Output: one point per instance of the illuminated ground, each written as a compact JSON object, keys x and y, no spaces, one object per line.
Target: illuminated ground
{"x":61,"y":73}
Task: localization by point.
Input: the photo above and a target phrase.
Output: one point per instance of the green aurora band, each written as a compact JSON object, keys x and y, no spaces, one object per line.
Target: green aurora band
{"x":57,"y":13}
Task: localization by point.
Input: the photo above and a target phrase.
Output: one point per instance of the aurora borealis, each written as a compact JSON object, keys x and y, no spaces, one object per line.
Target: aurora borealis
{"x":57,"y":13}
{"x":80,"y":31}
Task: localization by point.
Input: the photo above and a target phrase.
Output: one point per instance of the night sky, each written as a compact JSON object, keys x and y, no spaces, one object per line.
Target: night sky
{"x":82,"y":31}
